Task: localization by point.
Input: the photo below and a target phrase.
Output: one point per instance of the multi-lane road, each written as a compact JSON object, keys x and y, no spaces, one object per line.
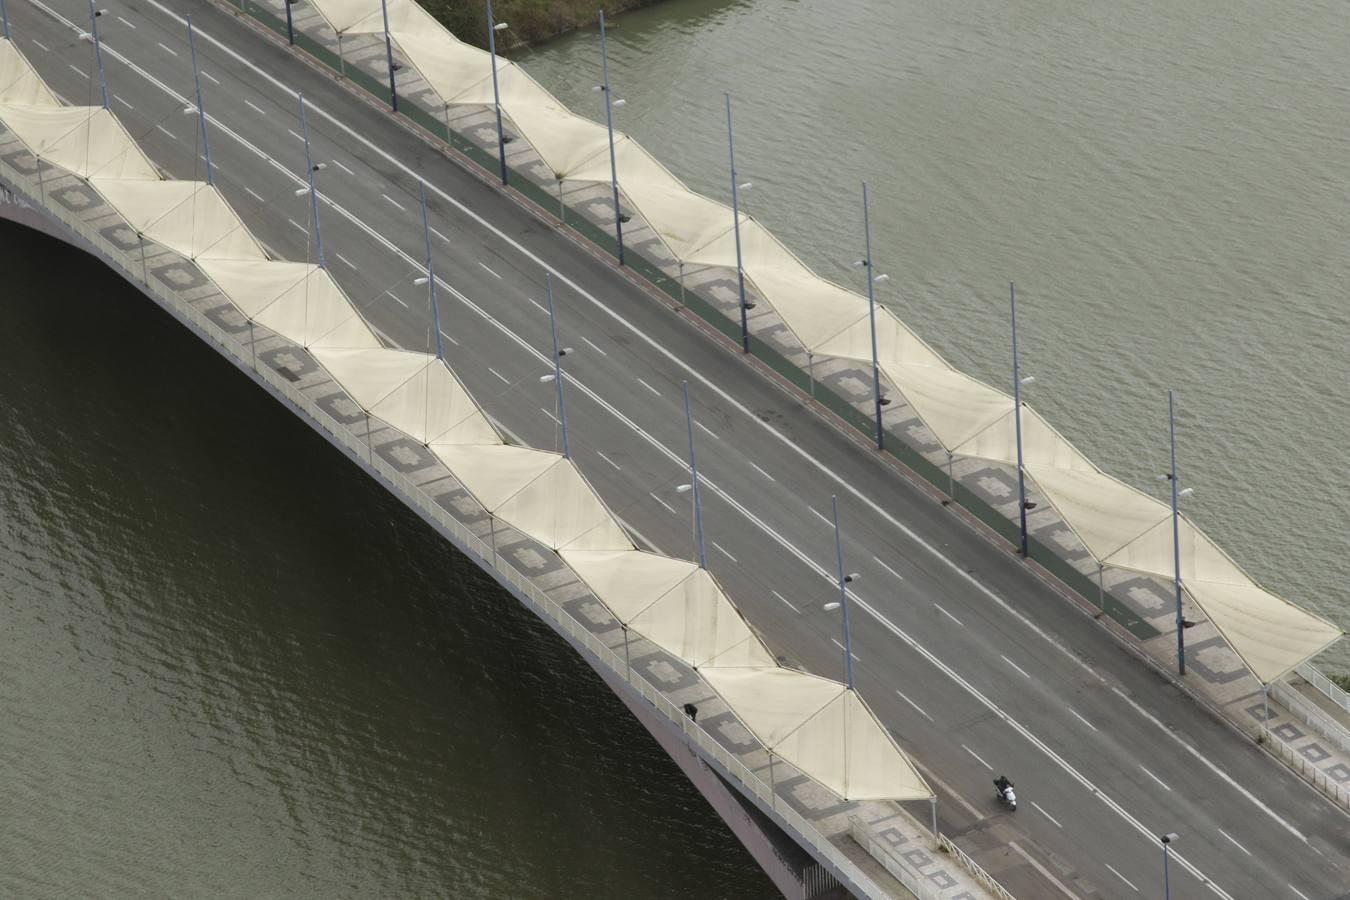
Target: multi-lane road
{"x":975,"y":664}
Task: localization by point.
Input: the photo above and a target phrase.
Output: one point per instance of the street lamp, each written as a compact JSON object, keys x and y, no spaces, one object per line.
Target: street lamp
{"x":610,"y":103}
{"x":1018,"y":383}
{"x":844,"y":581}
{"x":1176,"y":528}
{"x":1167,"y":840}
{"x":493,"y":28}
{"x":872,"y":281}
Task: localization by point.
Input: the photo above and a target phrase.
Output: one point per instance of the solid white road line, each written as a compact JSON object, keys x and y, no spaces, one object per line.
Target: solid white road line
{"x":166,"y":131}
{"x":399,"y":299}
{"x":1154,"y":777}
{"x":126,"y":23}
{"x":1300,"y":893}
{"x":449,"y":338}
{"x":253,"y":106}
{"x":785,"y":439}
{"x":295,"y":134}
{"x":1031,"y":861}
{"x":821,"y":516}
{"x":298,"y":226}
{"x":1014,"y":665}
{"x":943,"y":610}
{"x":608,"y":460}
{"x":649,"y":387}
{"x":537,"y":305}
{"x":394,"y":202}
{"x":338,"y":163}
{"x":785,"y":600}
{"x":499,"y":375}
{"x":208,"y":76}
{"x":40,"y":44}
{"x":255,"y":195}
{"x":484,"y":265}
{"x":169,"y":51}
{"x":1046,"y":814}
{"x":877,"y":560}
{"x":706,"y":430}
{"x":762,"y":472}
{"x":1234,"y":842}
{"x":1120,"y":876}
{"x":977,"y":756}
{"x":347,"y":262}
{"x":1083,"y":720}
{"x":668,"y":507}
{"x":123,"y":102}
{"x":724,"y":551}
{"x":433,"y":230}
{"x":550,"y":415}
{"x":77,"y":70}
{"x":595,"y":348}
{"x":916,"y":706}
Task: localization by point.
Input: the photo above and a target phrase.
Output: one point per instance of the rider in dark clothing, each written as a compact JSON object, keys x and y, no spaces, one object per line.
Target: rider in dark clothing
{"x":1002,"y":783}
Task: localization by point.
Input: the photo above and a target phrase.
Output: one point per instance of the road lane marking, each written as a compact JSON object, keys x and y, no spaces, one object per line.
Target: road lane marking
{"x":1046,"y":814}
{"x":1300,"y":893}
{"x":608,"y":460}
{"x":1120,"y":876}
{"x":399,"y":299}
{"x":123,"y":102}
{"x":40,"y":44}
{"x":433,"y":230}
{"x":1234,"y":842}
{"x":977,"y":756}
{"x":1142,"y":829}
{"x":298,"y":226}
{"x":126,"y":23}
{"x":668,"y":507}
{"x":338,"y":163}
{"x":449,"y":338}
{"x":166,"y":131}
{"x":255,"y":195}
{"x":916,"y":706}
{"x":943,"y":610}
{"x":841,"y":647}
{"x":877,"y":560}
{"x":394,"y":202}
{"x":821,"y":516}
{"x":78,"y":71}
{"x":1154,"y":777}
{"x":347,"y":262}
{"x":1043,"y":870}
{"x":649,"y":387}
{"x":1083,"y":720}
{"x":593,"y":347}
{"x":167,"y":49}
{"x":253,"y":106}
{"x":537,"y":305}
{"x":724,"y":551}
{"x":498,"y":374}
{"x":706,"y":430}
{"x":1015,"y":665}
{"x":298,"y":137}
{"x":785,"y":600}
{"x":762,"y":472}
{"x":484,"y":265}
{"x":550,"y":415}
{"x":208,"y":76}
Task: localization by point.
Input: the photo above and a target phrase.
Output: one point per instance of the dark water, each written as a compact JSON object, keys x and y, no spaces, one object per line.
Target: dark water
{"x":231,"y":666}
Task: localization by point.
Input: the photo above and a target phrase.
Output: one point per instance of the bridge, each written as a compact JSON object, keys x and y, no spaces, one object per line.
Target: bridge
{"x":970,"y":658}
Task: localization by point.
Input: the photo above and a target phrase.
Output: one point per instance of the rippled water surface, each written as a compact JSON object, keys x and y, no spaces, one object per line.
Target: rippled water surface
{"x":232,"y":666}
{"x":1164,"y":181}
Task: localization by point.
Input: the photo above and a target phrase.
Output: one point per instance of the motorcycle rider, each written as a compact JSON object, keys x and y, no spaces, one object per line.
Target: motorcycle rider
{"x":1003,"y":784}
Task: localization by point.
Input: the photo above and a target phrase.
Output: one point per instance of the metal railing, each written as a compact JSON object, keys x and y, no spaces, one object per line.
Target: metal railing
{"x":1329,"y":688}
{"x":1312,"y":715}
{"x":132,"y":266}
{"x":1315,"y":776}
{"x":913,"y":880}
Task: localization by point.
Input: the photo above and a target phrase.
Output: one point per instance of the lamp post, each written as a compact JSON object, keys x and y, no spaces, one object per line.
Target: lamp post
{"x":872,"y":281}
{"x":609,"y":123}
{"x":844,"y":581}
{"x":1176,"y":530}
{"x":98,"y":49}
{"x":1167,"y":840}
{"x":4,"y":19}
{"x":493,"y":28}
{"x":290,"y":24}
{"x":201,"y":110}
{"x":736,"y":225}
{"x":693,"y":483}
{"x":1018,"y":381}
{"x":557,"y":376}
{"x":431,"y":276}
{"x":310,"y":169}
{"x":389,"y":55}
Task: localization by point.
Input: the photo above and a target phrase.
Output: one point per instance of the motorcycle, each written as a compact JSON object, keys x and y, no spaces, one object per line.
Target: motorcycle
{"x":1006,"y":795}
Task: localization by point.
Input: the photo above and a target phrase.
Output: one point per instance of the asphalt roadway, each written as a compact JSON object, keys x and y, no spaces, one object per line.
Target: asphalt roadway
{"x":977,"y":666}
